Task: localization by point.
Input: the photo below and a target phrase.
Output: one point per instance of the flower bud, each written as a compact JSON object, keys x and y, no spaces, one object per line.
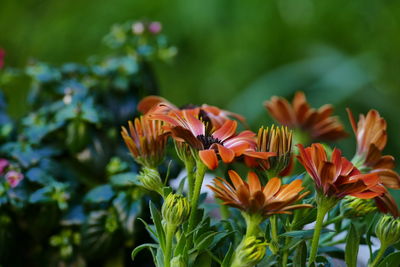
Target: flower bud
{"x":150,"y":179}
{"x":352,"y":207}
{"x":178,"y":261}
{"x":250,"y":252}
{"x":175,"y":209}
{"x":388,"y":230}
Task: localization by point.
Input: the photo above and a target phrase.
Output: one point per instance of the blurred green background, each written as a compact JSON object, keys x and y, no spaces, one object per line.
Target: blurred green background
{"x":232,"y":53}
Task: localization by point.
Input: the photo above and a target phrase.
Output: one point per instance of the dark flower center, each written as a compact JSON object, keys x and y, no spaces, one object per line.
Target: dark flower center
{"x":208,"y":140}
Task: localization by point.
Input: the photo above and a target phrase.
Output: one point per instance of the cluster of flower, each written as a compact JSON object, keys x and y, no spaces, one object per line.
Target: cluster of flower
{"x":205,"y":135}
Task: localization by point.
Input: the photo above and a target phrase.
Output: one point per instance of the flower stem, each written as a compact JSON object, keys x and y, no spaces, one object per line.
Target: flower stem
{"x":323,"y":208}
{"x":190,"y":177}
{"x":169,"y":238}
{"x":200,"y":171}
{"x":253,"y":222}
{"x":274,"y":234}
{"x":379,"y":256}
{"x":285,"y":255}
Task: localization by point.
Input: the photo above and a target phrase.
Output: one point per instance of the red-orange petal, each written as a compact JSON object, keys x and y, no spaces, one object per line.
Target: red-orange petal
{"x":209,"y":158}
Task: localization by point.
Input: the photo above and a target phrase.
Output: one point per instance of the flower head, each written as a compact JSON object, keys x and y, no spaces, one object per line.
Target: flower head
{"x":250,"y":252}
{"x":176,"y":209}
{"x":370,"y":132}
{"x":356,"y":207}
{"x":318,"y":123}
{"x":146,"y":141}
{"x":253,"y":198}
{"x":277,"y":142}
{"x":388,"y":230}
{"x":13,"y":178}
{"x":222,"y":142}
{"x":338,"y":177}
{"x":214,"y":116}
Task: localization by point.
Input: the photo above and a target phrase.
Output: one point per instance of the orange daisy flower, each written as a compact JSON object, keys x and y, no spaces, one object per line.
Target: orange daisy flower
{"x":224,"y":141}
{"x":277,"y":141}
{"x":212,"y":114}
{"x":253,"y":198}
{"x":370,"y":132}
{"x":338,"y":177}
{"x":299,"y":115}
{"x":146,"y":141}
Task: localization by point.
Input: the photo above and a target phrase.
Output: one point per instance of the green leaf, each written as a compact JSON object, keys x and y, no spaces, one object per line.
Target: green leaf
{"x":100,"y":194}
{"x":124,"y":179}
{"x":204,"y":240}
{"x":391,"y":260}
{"x":128,"y":209}
{"x":304,"y":234}
{"x":203,"y":260}
{"x":228,"y":257}
{"x":300,"y":255}
{"x":156,"y":216}
{"x":136,"y":250}
{"x":352,"y":246}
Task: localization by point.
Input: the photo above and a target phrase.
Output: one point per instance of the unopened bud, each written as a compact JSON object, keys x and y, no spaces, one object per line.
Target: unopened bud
{"x":175,"y":209}
{"x":352,"y":207}
{"x":388,"y":230}
{"x":150,"y":179}
{"x":250,"y":252}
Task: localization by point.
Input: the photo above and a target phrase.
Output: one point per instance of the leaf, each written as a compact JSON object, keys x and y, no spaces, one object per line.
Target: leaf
{"x":100,"y":194}
{"x":204,"y":240}
{"x":228,"y":257}
{"x":300,"y":255}
{"x":41,"y":195}
{"x":124,"y":179}
{"x":352,"y":246}
{"x":141,"y":247}
{"x":37,"y":175}
{"x":128,"y":209}
{"x":75,"y":216}
{"x":391,"y":260}
{"x":203,"y":260}
{"x":156,"y":217}
{"x":304,"y":234}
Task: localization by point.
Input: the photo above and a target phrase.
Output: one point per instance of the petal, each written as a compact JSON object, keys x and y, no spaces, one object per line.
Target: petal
{"x":147,"y":103}
{"x":235,"y":178}
{"x":227,"y":130}
{"x":254,"y":183}
{"x":209,"y":158}
{"x":226,"y":154}
{"x":272,"y":187}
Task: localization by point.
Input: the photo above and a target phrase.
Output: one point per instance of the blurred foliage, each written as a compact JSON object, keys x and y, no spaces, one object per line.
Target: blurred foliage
{"x":68,"y":188}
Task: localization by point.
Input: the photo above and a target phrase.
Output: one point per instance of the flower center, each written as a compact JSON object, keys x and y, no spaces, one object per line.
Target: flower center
{"x":208,"y":140}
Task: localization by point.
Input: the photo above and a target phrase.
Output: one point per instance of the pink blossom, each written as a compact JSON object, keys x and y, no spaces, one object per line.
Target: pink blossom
{"x":155,"y":27}
{"x":3,"y":165}
{"x":14,"y":178}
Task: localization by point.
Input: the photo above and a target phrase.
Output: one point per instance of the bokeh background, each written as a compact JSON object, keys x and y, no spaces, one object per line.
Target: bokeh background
{"x":232,"y":53}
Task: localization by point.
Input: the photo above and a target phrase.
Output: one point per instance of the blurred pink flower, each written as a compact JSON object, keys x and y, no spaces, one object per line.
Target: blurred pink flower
{"x":3,"y":165}
{"x":14,"y":178}
{"x":155,"y":27}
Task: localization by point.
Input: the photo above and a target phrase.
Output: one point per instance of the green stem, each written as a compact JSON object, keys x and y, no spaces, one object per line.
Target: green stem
{"x":253,"y":222}
{"x":200,"y":171}
{"x":379,"y":256}
{"x":285,"y":255}
{"x":190,"y":177}
{"x":333,"y":220}
{"x":274,"y":234}
{"x":168,"y":239}
{"x":321,"y":212}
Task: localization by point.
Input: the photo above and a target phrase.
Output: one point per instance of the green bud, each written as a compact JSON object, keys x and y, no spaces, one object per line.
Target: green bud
{"x":150,"y":179}
{"x":175,"y":209}
{"x":178,"y":261}
{"x":388,"y":230}
{"x":352,"y":207}
{"x":249,"y":252}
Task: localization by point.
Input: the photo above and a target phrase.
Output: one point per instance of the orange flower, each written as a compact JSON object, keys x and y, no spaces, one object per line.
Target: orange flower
{"x":224,"y":142}
{"x":338,"y":177}
{"x":212,"y":114}
{"x":276,"y":141}
{"x":253,"y":198}
{"x":299,"y":115}
{"x":146,"y":141}
{"x":371,"y":140}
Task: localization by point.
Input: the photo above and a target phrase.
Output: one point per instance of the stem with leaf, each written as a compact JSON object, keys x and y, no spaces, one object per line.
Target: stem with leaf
{"x":379,"y":256}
